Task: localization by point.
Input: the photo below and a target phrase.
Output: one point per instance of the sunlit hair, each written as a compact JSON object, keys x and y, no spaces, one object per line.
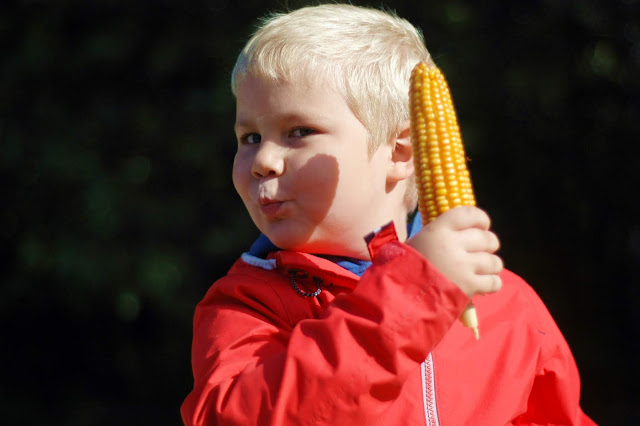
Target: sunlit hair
{"x":365,"y":54}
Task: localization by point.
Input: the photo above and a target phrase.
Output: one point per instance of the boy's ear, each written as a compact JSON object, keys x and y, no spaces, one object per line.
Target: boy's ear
{"x":401,"y":164}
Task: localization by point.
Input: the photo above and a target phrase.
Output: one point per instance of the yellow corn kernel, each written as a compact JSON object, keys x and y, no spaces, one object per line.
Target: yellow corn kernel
{"x":442,"y":177}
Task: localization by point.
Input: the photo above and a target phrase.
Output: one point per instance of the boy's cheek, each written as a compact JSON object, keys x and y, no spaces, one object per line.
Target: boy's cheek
{"x":317,"y":181}
{"x":241,"y":187}
{"x":240,"y":172}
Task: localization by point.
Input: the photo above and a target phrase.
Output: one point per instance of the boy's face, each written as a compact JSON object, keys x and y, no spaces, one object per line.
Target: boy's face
{"x":303,"y":170}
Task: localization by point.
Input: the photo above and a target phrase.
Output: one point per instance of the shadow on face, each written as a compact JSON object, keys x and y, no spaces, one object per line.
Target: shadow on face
{"x":317,"y":183}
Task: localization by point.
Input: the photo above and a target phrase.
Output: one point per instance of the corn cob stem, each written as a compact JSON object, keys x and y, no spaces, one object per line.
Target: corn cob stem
{"x":442,"y":177}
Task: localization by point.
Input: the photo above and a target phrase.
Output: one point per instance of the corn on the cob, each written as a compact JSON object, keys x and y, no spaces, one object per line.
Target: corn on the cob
{"x":442,"y":177}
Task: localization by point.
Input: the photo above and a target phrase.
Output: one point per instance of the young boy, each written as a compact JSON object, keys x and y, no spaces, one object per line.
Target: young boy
{"x":317,"y":324}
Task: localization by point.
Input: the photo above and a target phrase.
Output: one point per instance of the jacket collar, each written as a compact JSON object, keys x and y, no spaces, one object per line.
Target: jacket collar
{"x":264,"y":254}
{"x":287,"y":262}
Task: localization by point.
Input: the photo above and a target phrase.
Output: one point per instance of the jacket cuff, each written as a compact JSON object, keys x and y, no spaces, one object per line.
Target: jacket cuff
{"x":378,"y":244}
{"x":384,"y":247}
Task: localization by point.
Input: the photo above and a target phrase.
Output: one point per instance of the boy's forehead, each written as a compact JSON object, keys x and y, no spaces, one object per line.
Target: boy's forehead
{"x":261,"y":97}
{"x":251,"y":87}
{"x":299,"y":78}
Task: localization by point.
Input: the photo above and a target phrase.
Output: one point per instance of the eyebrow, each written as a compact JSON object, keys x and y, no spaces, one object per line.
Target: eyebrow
{"x":239,"y":125}
{"x":290,"y":116}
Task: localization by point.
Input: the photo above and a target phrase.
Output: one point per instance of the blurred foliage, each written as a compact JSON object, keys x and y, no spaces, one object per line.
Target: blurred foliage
{"x":116,"y":146}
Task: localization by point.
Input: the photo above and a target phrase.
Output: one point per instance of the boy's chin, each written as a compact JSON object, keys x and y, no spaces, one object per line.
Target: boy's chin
{"x":309,"y":239}
{"x":287,"y":244}
{"x":317,"y":247}
{"x":297,"y":243}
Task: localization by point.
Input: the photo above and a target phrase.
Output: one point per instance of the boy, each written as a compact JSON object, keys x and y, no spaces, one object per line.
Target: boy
{"x":318,"y":325}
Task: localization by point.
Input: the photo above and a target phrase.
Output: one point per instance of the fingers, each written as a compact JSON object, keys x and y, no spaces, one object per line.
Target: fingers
{"x":473,"y":283}
{"x":465,"y":217}
{"x":486,"y":263}
{"x":477,"y":240}
{"x":486,"y":270}
{"x":460,"y":244}
{"x":488,"y":284}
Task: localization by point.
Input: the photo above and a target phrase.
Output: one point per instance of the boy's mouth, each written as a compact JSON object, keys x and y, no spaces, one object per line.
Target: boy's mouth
{"x":270,"y":208}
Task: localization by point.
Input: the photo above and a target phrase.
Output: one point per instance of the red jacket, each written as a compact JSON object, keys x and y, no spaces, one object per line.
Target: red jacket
{"x":384,"y":349}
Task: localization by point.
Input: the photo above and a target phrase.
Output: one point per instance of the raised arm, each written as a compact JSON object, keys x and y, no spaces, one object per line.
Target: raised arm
{"x":254,"y":363}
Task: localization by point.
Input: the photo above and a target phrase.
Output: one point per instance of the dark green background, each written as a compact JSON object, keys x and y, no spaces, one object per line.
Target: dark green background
{"x":118,"y":211}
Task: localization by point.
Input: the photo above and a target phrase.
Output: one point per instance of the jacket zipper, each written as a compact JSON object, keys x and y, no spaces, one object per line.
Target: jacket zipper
{"x":429,"y":392}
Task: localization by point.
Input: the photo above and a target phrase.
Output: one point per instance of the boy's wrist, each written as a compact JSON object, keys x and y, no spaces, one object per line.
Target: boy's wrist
{"x":384,"y":246}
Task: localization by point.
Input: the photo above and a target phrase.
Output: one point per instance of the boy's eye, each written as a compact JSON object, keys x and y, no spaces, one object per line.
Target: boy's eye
{"x":251,"y":138}
{"x":301,"y":132}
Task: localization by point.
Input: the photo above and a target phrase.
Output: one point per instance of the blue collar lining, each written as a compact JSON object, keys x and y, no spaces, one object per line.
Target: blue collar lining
{"x":263,"y":246}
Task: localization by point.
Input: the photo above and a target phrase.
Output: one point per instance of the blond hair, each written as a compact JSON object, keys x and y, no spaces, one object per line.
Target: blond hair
{"x":366,"y":54}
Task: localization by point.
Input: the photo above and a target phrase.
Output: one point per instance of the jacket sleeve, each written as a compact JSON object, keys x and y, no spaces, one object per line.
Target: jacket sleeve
{"x":252,"y":365}
{"x":555,"y":396}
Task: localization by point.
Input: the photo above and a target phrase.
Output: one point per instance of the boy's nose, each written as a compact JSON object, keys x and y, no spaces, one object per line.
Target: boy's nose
{"x":268,"y":161}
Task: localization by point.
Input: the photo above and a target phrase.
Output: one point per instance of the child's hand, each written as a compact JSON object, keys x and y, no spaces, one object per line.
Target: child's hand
{"x":461,"y":246}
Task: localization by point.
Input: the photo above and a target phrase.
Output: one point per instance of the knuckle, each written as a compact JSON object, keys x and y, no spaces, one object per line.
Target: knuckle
{"x":484,"y":214}
{"x":496,"y":240}
{"x":490,"y":240}
{"x":497,"y":283}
